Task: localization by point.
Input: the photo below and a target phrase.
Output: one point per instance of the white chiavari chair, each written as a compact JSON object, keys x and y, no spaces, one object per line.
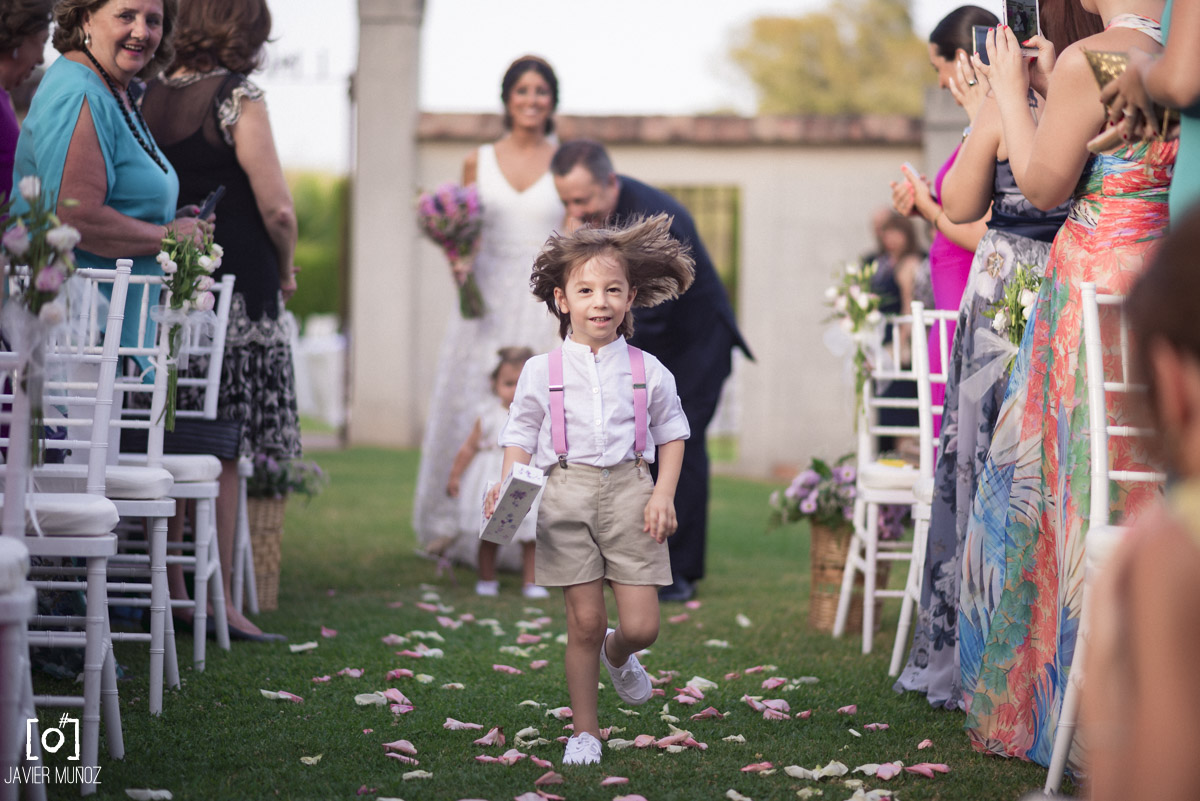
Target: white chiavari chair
{"x":1103,"y":536}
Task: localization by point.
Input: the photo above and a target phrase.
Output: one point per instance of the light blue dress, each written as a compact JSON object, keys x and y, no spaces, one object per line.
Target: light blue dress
{"x":1185,"y":185}
{"x":137,"y":187}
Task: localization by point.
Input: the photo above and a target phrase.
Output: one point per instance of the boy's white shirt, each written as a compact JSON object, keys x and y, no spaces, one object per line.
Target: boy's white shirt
{"x":599,"y":407}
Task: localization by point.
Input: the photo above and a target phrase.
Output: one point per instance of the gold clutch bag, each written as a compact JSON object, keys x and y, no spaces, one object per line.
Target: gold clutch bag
{"x":1106,"y":66}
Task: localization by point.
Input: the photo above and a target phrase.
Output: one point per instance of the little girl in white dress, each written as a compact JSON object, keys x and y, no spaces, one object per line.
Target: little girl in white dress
{"x":475,"y":468}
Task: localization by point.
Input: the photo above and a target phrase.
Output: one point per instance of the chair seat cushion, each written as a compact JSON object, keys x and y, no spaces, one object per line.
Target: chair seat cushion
{"x":14,"y":564}
{"x":878,"y":475}
{"x":122,"y":482}
{"x":69,"y":514}
{"x":183,"y":468}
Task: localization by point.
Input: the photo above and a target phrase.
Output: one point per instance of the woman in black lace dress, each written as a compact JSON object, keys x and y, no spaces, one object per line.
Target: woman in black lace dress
{"x":212,"y":124}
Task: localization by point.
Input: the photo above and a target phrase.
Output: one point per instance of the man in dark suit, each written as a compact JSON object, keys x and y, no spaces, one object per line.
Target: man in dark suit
{"x":693,"y":336}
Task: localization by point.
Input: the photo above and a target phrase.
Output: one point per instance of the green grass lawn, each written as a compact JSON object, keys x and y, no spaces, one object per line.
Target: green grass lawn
{"x":349,"y":562}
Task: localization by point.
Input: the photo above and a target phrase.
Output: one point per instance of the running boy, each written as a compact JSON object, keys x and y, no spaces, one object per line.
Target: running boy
{"x":592,"y":414}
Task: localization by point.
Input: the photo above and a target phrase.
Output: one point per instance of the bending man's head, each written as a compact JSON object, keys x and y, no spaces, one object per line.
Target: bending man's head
{"x":585,"y":180}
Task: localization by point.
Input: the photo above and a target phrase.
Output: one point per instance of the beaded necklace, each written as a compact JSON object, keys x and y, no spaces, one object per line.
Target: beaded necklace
{"x":116,"y":93}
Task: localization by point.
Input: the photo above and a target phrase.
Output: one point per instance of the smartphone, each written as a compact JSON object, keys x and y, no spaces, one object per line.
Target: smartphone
{"x":1022,"y":16}
{"x":979,"y":35}
{"x":210,"y":202}
{"x":911,"y":168}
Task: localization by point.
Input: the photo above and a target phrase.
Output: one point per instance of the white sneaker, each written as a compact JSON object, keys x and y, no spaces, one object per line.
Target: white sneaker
{"x":582,"y":749}
{"x":535,"y":592}
{"x":630,"y":679}
{"x":489,"y":589}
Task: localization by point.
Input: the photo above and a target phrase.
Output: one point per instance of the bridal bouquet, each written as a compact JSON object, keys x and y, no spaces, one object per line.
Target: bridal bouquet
{"x":187,"y":267}
{"x":452,"y":219}
{"x":856,"y":309}
{"x":38,"y":250}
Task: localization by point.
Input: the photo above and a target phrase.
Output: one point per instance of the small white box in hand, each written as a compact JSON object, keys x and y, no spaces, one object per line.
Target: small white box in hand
{"x":517,"y":495}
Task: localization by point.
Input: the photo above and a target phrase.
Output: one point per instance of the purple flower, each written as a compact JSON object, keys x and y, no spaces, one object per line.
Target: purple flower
{"x":848,"y":512}
{"x":16,"y":239}
{"x":808,"y":506}
{"x":50,"y":278}
{"x":809,"y":478}
{"x":844,"y":473}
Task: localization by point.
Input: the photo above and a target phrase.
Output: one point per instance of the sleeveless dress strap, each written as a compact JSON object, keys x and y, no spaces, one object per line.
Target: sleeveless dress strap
{"x":558,"y":412}
{"x":1146,"y":25}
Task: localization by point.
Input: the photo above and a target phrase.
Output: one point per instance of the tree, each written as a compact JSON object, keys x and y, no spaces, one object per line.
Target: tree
{"x":856,"y":57}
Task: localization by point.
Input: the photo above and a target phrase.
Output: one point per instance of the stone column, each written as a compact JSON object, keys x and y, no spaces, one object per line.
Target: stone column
{"x":383,"y":362}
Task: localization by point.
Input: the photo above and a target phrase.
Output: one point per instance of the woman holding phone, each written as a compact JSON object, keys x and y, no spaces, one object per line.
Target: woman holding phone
{"x":1030,"y":513}
{"x":213,"y":126}
{"x":1017,"y":234}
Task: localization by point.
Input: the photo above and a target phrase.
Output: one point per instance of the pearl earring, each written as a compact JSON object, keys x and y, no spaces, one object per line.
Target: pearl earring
{"x":87,"y":39}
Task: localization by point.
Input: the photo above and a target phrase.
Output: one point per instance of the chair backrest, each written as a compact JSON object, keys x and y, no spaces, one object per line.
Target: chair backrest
{"x":921,"y":327}
{"x":930,"y":326}
{"x":1100,"y":387}
{"x":145,"y":374}
{"x":210,"y":344}
{"x":81,"y":364}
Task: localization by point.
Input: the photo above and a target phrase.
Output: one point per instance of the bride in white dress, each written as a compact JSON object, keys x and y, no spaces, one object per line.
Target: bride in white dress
{"x":520,"y":210}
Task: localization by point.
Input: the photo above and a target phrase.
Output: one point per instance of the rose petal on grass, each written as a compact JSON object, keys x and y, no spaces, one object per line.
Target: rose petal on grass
{"x":888,"y":771}
{"x":852,"y":709}
{"x":302,"y":646}
{"x":525,"y":638}
{"x":684,"y":699}
{"x":805,"y":715}
{"x":417,"y":774}
{"x":369,"y":699}
{"x":393,"y":639}
{"x":495,"y":736}
{"x":353,"y":673}
{"x":321,"y":679}
{"x":611,"y":780}
{"x":530,"y":796}
{"x":149,"y":795}
{"x":549,"y":777}
{"x":734,"y":738}
{"x":511,"y":757}
{"x":692,"y":604}
{"x":311,"y":760}
{"x":328,"y":633}
{"x":401,"y":709}
{"x":457,"y":725}
{"x":921,"y":746}
{"x":681,"y":617}
{"x":927,"y":769}
{"x":755,"y":669}
{"x":855,"y":733}
{"x":282,"y":695}
{"x":538,"y":664}
{"x":427,"y":607}
{"x":732,"y":676}
{"x":716,"y":643}
{"x":486,"y":758}
{"x":560,"y":712}
{"x":368,"y":731}
{"x":407,"y":760}
{"x":544,"y":764}
{"x":708,"y":712}
{"x":774,"y":714}
{"x":743,"y":621}
{"x":778,"y":704}
{"x":395,"y":604}
{"x":410,"y":653}
{"x":364,"y":790}
{"x":507,"y":669}
{"x":754,"y":703}
{"x":424,"y":678}
{"x":396,"y":697}
{"x":634,"y":797}
{"x":869,"y":769}
{"x":734,"y":795}
{"x":448,"y":622}
{"x":773,"y":682}
{"x":550,"y":796}
{"x":401,"y":745}
{"x":876,"y":727}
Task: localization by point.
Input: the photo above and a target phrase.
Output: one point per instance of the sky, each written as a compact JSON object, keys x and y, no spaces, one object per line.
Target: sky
{"x":616,"y":57}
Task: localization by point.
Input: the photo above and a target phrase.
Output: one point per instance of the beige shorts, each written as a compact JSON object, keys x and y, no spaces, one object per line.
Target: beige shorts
{"x":590,"y":527}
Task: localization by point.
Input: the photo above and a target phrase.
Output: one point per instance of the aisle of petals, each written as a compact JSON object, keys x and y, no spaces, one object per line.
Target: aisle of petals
{"x":659,"y":728}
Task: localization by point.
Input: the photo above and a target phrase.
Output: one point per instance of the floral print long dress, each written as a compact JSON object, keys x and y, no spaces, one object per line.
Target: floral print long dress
{"x":1023,"y":557}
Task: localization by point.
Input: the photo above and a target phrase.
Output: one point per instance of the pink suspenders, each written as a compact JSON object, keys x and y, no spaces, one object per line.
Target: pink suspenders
{"x":558,"y":413}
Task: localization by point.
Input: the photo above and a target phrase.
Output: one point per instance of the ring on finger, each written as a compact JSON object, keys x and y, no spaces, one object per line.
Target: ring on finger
{"x":972,"y":82}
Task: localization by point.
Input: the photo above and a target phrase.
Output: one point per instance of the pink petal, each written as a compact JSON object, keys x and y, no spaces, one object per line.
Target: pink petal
{"x":604,"y":732}
{"x":852,"y":709}
{"x":493,"y":737}
{"x":550,"y":796}
{"x":325,"y":632}
{"x":364,"y":790}
{"x":529,"y":797}
{"x":401,"y":745}
{"x":295,"y":699}
{"x":410,"y":653}
{"x":678,"y":618}
{"x":448,"y":622}
{"x":707,"y":712}
{"x":757,"y":706}
{"x":395,"y":696}
{"x":684,"y":699}
{"x":399,"y":673}
{"x":778,"y":704}
{"x":486,"y":758}
{"x":757,"y":767}
{"x":611,"y":780}
{"x":659,"y":680}
{"x":549,"y":777}
{"x":507,"y":669}
{"x":353,"y":673}
{"x":538,"y":664}
{"x":888,"y":770}
{"x":407,"y":760}
{"x":391,"y":639}
{"x":875,"y":726}
{"x":773,"y":682}
{"x":427,"y":607}
{"x":643,"y":741}
{"x":693,"y":743}
{"x":927,"y":769}
{"x":924,"y":744}
{"x":732,"y":676}
{"x":453,"y":724}
{"x":692,"y":604}
{"x":541,"y":763}
{"x":773,"y":714}
{"x":755,"y":669}
{"x":467,"y":617}
{"x":659,"y":691}
{"x":395,"y":604}
{"x":368,"y":731}
{"x":634,"y":797}
{"x":562,"y":712}
{"x":688,"y":689}
{"x":511,"y":757}
{"x":320,"y":679}
{"x":673,"y":739}
{"x":401,"y":709}
{"x":525,"y":638}
{"x":805,"y":715}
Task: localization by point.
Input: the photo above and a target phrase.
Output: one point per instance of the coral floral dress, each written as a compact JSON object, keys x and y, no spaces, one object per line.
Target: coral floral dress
{"x":1023,"y":561}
